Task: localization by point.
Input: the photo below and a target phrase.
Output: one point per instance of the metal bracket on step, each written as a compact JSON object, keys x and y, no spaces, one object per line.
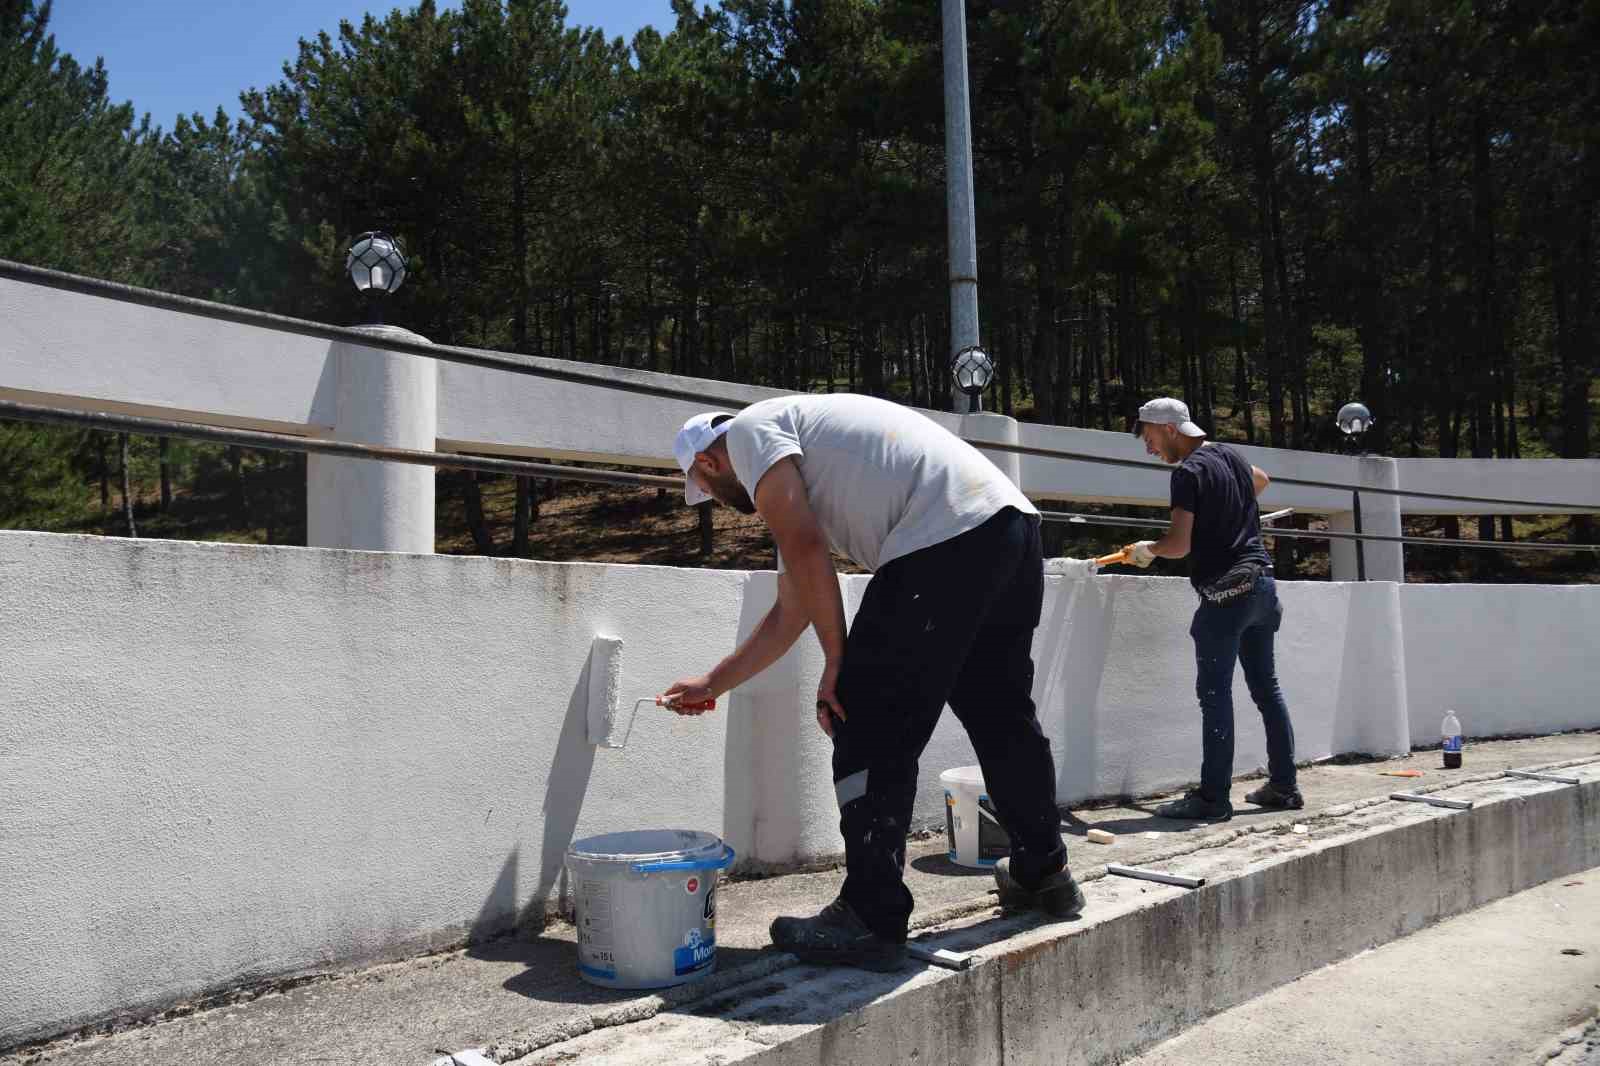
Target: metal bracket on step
{"x":1529,"y":775}
{"x":1155,"y":875}
{"x":1432,"y":801}
{"x":950,"y":960}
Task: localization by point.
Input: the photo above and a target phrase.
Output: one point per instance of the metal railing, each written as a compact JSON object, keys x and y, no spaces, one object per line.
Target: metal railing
{"x":75,"y":283}
{"x":252,"y":438}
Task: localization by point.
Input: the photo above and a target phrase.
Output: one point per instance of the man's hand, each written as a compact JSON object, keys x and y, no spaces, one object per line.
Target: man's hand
{"x":828,"y":705}
{"x":689,"y":690}
{"x":1140,"y":553}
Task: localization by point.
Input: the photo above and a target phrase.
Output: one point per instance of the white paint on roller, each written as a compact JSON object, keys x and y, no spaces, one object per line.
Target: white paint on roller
{"x":605,"y":686}
{"x":1071,"y":568}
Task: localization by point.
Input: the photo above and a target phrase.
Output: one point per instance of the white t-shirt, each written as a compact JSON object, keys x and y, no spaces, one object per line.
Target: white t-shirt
{"x":882,"y":479}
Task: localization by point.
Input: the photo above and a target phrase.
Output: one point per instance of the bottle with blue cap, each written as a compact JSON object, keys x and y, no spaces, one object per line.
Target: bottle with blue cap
{"x":1451,"y":730}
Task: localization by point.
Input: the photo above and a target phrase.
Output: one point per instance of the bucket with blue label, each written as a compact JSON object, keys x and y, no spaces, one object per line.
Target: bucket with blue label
{"x":646,"y":906}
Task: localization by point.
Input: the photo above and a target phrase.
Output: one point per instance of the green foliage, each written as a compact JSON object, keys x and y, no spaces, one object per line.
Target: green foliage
{"x":1267,"y":208}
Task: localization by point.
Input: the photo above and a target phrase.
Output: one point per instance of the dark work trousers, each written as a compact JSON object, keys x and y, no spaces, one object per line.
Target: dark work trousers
{"x":1242,"y":632}
{"x":952,"y":623}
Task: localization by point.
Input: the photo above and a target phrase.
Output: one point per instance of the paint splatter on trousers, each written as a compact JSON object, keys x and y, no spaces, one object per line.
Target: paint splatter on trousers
{"x":952,"y":623}
{"x":1244,"y":632}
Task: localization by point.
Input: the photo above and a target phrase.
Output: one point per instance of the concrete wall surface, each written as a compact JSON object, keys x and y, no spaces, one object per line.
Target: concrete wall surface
{"x":1508,"y":659}
{"x":227,"y":762}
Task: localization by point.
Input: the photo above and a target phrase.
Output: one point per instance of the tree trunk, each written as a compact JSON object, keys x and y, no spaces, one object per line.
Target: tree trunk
{"x":527,"y":504}
{"x":706,"y":528}
{"x":166,"y":477}
{"x":472,"y":497}
{"x":1044,"y":325}
{"x":1488,"y":317}
{"x":1241,"y":369}
{"x":100,"y":440}
{"x":241,"y":498}
{"x":127,"y":487}
{"x":1272,"y":323}
{"x":519,"y":254}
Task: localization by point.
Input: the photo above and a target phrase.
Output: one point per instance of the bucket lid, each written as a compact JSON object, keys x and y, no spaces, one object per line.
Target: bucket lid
{"x":971,"y":776}
{"x":647,"y":845}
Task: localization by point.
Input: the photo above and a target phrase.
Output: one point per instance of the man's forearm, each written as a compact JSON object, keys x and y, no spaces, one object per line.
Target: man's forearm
{"x":816,"y":588}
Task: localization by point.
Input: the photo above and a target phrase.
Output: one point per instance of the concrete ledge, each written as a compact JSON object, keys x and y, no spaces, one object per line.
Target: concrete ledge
{"x":1148,"y":960}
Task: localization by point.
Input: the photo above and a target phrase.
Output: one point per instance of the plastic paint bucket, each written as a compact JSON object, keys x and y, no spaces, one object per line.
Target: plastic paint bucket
{"x":646,"y":906}
{"x":976,"y":837}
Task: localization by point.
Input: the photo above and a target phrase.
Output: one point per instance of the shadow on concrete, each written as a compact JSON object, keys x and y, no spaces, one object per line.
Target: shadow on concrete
{"x":941,"y":864}
{"x":552,"y":976}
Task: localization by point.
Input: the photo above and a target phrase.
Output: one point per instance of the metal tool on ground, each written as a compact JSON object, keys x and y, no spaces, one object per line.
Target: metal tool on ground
{"x":1399,"y":773}
{"x":1531,"y":775}
{"x":1432,"y":801}
{"x":950,"y":960}
{"x":1161,"y":876}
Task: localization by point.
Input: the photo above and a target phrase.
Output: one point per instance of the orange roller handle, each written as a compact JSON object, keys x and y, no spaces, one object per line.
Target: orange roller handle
{"x":1115,"y":557}
{"x":688,"y":705}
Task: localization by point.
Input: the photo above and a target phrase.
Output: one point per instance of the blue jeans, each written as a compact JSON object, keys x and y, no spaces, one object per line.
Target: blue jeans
{"x":1242,"y":631}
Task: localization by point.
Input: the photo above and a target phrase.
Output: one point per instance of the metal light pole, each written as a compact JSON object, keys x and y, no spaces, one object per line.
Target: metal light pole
{"x":958,"y":189}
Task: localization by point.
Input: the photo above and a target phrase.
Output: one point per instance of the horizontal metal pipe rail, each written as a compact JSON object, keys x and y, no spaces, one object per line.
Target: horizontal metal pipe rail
{"x":55,"y":279}
{"x":253,"y":438}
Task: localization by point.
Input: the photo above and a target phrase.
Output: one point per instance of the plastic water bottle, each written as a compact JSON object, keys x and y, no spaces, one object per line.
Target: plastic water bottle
{"x":1451,"y":730}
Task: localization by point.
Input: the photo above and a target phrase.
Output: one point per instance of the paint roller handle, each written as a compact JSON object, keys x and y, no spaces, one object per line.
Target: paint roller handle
{"x":688,"y":705}
{"x":721,"y":862}
{"x":1118,"y":556}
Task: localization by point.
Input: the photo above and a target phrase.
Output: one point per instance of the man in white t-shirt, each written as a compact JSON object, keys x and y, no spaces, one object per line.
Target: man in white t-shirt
{"x":948,"y":616}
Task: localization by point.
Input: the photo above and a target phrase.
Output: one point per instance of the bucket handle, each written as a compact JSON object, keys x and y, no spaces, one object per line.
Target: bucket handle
{"x":722,"y":862}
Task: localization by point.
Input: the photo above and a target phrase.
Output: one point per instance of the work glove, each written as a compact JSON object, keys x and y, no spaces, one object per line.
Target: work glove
{"x":1139,"y":553}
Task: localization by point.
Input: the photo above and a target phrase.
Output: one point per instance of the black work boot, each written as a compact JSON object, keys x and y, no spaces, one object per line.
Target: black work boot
{"x":1196,"y":808}
{"x":836,"y":936}
{"x":1282,"y":799}
{"x":1057,"y":895}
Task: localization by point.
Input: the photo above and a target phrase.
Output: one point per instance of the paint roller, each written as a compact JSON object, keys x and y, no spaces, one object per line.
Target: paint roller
{"x":1084,"y":567}
{"x":605,"y":689}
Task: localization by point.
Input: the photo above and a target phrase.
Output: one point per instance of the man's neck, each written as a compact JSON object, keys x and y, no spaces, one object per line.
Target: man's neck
{"x":1187,"y":446}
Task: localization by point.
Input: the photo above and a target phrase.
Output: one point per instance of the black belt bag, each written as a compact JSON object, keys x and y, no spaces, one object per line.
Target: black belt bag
{"x":1233,"y":586}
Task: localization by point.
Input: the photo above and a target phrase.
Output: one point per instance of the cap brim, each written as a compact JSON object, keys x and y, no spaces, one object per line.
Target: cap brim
{"x":1189,"y":429}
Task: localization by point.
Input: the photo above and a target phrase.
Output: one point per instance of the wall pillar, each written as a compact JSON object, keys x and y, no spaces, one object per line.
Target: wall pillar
{"x":384,"y":398}
{"x":1380,"y":513}
{"x":986,"y":426}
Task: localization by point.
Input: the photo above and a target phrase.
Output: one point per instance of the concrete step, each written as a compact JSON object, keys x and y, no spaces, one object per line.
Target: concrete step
{"x":1492,"y":987}
{"x":1146,"y":962}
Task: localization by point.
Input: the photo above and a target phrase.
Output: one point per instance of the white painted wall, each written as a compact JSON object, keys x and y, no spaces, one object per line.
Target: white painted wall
{"x":223,"y":762}
{"x":1507,"y":658}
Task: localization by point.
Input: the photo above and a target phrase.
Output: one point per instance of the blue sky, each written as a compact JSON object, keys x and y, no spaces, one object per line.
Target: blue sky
{"x":172,"y":57}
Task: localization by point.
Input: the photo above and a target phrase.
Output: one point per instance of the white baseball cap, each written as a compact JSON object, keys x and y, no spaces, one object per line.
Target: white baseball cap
{"x":696,"y":436}
{"x":1165,"y":411}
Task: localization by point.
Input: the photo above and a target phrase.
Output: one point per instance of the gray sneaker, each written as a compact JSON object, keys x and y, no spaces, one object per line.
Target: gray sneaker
{"x":1194,"y":807}
{"x":1057,"y":895}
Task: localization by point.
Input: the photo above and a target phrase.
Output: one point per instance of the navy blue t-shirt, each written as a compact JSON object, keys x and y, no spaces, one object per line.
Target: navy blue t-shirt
{"x":1214,"y":485}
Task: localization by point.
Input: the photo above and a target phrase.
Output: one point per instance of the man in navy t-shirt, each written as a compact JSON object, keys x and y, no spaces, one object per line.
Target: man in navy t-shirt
{"x":1216,"y":523}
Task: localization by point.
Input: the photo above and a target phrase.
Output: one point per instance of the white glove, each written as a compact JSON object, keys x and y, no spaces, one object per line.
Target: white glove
{"x":1140,"y":555}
